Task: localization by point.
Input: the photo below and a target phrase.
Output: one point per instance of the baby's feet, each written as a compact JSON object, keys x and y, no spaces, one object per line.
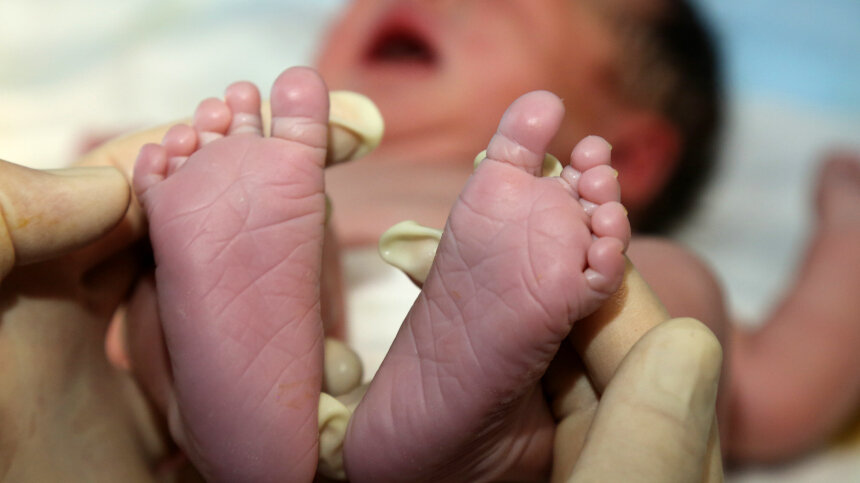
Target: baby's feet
{"x":236,"y":223}
{"x":521,"y":259}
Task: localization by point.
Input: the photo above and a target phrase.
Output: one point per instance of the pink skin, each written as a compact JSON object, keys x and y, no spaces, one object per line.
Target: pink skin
{"x":795,"y":381}
{"x":838,"y":193}
{"x":236,"y":223}
{"x":442,"y":74}
{"x":522,"y":258}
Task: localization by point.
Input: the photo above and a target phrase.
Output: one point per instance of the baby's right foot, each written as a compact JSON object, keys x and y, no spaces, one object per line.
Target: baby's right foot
{"x":236,"y":223}
{"x":521,"y":259}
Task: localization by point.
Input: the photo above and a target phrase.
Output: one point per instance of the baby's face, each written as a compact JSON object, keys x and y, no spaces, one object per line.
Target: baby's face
{"x":443,"y":71}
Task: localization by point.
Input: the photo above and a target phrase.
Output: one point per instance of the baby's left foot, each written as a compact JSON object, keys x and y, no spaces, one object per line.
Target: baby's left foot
{"x":521,"y":259}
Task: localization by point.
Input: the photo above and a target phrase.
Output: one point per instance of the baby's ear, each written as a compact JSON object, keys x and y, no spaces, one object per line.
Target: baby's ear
{"x":645,"y":148}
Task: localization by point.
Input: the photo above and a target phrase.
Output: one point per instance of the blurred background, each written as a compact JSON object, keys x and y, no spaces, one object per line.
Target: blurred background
{"x":77,"y":70}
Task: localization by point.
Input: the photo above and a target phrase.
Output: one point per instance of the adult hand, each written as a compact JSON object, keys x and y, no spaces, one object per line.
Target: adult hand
{"x":634,"y":392}
{"x":71,"y":233}
{"x":654,"y":421}
{"x":58,"y":394}
{"x":49,"y":213}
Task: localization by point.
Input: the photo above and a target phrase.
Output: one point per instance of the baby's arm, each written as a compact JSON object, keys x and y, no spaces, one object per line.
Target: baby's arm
{"x":791,"y":383}
{"x":795,"y":380}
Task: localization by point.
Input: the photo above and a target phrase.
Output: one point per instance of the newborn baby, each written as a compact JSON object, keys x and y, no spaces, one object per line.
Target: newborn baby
{"x":532,"y":122}
{"x":237,"y":222}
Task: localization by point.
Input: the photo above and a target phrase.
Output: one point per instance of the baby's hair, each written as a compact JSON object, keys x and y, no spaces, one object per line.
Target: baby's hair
{"x":671,"y":65}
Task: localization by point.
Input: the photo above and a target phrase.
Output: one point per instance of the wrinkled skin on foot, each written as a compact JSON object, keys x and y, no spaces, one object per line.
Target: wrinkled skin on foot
{"x":574,"y":382}
{"x":610,"y":439}
{"x":516,"y":266}
{"x":58,"y":312}
{"x":236,"y":223}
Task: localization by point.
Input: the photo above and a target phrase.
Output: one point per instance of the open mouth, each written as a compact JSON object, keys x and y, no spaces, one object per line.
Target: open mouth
{"x":402,"y":41}
{"x":402,"y":46}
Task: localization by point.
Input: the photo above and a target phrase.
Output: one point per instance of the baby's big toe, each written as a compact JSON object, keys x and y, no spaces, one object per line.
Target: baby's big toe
{"x":525,"y":131}
{"x":300,"y":108}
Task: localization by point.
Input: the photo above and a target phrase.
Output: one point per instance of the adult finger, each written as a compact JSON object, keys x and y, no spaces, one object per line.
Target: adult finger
{"x":48,"y":213}
{"x":656,"y":421}
{"x":573,"y":401}
{"x":605,"y":337}
{"x":137,"y":341}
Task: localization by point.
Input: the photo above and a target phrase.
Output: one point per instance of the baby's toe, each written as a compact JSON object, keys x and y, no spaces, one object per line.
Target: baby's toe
{"x":149,"y":169}
{"x":610,"y":220}
{"x":243,"y":99}
{"x":180,"y":142}
{"x":212,"y":119}
{"x":605,"y":265}
{"x":525,"y":131}
{"x":599,"y":185}
{"x":300,"y":108}
{"x":590,"y":152}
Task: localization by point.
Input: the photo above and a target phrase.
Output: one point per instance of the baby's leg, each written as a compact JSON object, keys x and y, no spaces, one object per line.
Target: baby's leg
{"x":521,"y":259}
{"x":236,"y":223}
{"x":795,"y":381}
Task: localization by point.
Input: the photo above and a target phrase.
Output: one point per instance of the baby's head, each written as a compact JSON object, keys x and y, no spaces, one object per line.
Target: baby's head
{"x":668,"y":70}
{"x":641,"y":73}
